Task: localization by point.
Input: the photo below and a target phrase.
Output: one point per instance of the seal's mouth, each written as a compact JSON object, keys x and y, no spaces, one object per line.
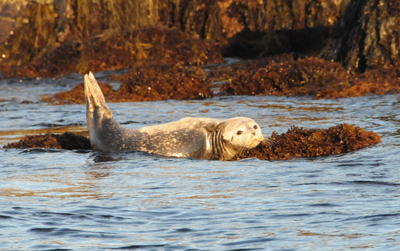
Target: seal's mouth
{"x":255,"y":140}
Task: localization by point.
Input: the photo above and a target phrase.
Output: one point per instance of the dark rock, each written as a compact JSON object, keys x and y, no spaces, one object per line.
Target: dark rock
{"x":368,"y":36}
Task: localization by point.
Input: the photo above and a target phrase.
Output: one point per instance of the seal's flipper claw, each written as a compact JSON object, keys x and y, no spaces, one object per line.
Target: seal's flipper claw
{"x":91,"y":75}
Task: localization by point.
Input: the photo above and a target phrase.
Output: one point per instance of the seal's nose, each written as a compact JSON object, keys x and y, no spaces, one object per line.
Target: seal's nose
{"x":254,"y":133}
{"x":260,"y":137}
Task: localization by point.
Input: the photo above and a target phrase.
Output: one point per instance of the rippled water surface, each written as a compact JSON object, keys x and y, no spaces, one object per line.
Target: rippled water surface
{"x":84,"y":200}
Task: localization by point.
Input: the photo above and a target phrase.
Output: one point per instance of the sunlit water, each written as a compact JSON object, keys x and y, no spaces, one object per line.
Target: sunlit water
{"x":84,"y":200}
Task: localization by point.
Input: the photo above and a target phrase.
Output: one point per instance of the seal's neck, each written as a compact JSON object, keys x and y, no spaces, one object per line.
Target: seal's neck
{"x":221,"y":148}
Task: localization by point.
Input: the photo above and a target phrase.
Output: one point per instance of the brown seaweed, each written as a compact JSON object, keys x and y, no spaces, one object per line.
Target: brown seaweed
{"x":67,"y":140}
{"x":309,"y":76}
{"x":278,"y":76}
{"x":300,"y":142}
{"x":147,"y":84}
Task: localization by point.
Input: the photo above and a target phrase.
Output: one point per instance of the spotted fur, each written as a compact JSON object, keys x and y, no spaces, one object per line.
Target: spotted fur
{"x":200,"y":138}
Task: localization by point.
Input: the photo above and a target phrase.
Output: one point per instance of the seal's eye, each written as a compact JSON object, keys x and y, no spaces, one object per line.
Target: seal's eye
{"x":255,"y":127}
{"x":239,"y":132}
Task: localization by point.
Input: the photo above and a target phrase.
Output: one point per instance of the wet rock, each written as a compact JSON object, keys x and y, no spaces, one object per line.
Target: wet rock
{"x":264,"y":28}
{"x":267,"y":16}
{"x":153,"y":45}
{"x":34,"y":33}
{"x":66,"y":140}
{"x":8,"y":13}
{"x":256,"y":44}
{"x":300,"y":142}
{"x":146,"y":47}
{"x":368,"y":36}
{"x":65,"y":37}
{"x":71,"y":141}
{"x":90,"y":35}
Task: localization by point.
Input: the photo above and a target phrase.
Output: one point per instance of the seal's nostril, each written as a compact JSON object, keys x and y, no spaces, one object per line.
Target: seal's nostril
{"x":254,"y":133}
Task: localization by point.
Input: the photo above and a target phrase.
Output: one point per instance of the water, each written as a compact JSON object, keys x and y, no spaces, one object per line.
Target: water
{"x":84,"y":200}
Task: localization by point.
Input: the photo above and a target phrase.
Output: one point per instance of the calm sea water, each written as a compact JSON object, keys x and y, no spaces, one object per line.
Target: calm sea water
{"x":85,"y":200}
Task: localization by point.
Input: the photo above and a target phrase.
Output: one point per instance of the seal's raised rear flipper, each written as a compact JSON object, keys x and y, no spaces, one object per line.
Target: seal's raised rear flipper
{"x":96,"y":108}
{"x":95,"y":101}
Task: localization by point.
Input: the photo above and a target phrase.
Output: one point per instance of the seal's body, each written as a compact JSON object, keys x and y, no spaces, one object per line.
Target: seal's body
{"x":201,"y":138}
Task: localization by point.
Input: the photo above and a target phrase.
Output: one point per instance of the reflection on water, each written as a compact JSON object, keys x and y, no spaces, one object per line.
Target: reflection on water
{"x":60,"y":199}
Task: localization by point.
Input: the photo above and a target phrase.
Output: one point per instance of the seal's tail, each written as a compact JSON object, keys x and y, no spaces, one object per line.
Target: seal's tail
{"x":96,"y":107}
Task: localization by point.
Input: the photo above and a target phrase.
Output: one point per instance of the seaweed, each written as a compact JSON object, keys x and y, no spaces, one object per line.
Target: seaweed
{"x":67,"y":140}
{"x":147,"y":84}
{"x":300,"y":142}
{"x":309,"y":76}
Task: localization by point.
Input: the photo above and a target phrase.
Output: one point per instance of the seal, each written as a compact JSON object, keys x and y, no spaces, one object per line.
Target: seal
{"x":200,"y":138}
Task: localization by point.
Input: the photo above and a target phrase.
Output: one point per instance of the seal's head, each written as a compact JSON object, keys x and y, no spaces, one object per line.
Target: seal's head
{"x":242,"y":132}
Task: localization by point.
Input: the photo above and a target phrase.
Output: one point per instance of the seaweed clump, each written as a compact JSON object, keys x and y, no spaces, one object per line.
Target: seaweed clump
{"x":310,"y":76}
{"x":300,"y":142}
{"x":285,"y":76}
{"x":67,"y":140}
{"x":147,"y":84}
{"x":378,"y":81}
{"x":162,"y":83}
{"x":75,"y":95}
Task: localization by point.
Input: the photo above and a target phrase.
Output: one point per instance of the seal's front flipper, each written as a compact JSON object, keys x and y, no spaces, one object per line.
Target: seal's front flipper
{"x":95,"y":101}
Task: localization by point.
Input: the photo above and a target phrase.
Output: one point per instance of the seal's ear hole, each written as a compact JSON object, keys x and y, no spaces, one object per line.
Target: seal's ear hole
{"x":255,"y":127}
{"x":239,"y":132}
